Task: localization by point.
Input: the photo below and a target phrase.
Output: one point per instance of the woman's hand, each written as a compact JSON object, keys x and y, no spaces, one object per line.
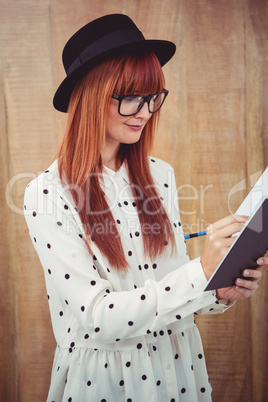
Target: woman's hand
{"x":244,"y":287}
{"x":218,"y":240}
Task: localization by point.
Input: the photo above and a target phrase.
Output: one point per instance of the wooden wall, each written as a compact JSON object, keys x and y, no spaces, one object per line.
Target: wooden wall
{"x":214,"y":131}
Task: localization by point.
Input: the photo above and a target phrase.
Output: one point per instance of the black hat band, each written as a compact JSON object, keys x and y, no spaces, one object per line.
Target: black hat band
{"x":112,"y":40}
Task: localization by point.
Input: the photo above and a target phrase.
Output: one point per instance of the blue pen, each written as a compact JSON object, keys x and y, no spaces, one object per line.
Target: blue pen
{"x":190,"y":236}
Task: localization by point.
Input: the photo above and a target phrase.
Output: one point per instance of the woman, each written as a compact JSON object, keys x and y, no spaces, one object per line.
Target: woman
{"x":121,"y":289}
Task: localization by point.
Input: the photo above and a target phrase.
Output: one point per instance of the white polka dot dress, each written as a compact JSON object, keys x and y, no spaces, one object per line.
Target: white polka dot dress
{"x":124,"y":337}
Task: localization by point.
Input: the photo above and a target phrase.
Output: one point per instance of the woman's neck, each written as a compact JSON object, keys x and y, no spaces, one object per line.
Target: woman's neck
{"x":110,"y":158}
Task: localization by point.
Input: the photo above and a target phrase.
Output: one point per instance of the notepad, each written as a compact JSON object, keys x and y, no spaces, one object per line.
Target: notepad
{"x":251,"y":243}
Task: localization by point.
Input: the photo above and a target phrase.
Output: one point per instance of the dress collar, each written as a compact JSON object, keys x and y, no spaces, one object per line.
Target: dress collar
{"x":110,"y":176}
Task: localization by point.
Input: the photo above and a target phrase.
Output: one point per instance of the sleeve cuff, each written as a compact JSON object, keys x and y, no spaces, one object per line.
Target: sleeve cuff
{"x":196,"y":274}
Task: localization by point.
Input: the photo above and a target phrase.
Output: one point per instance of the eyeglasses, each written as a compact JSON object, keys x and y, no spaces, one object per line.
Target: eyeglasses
{"x":130,"y":104}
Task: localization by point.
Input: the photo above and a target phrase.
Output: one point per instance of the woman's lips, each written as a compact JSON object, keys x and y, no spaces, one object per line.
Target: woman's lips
{"x":134,"y":127}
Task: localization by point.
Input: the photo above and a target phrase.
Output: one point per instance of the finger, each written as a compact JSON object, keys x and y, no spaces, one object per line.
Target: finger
{"x":262,"y":261}
{"x":244,"y":292}
{"x":228,"y":220}
{"x":255,"y":274}
{"x":230,"y":230}
{"x":246,"y":284}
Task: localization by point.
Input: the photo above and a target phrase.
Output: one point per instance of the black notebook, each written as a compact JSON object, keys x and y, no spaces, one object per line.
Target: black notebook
{"x":250,"y":244}
{"x":252,"y":241}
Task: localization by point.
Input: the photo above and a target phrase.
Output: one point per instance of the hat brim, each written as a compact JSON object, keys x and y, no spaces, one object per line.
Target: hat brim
{"x":164,"y":50}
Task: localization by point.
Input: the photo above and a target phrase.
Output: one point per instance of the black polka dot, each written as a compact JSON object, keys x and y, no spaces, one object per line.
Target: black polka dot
{"x":167,"y":288}
{"x":45,"y":191}
{"x":111,"y":305}
{"x":70,"y":400}
{"x":137,"y":234}
{"x":200,"y":356}
{"x":166,"y":185}
{"x":106,"y":365}
{"x":88,"y":383}
{"x":176,"y":356}
{"x":66,"y":301}
{"x":82,"y":308}
{"x":86,"y":336}
{"x":192,"y":367}
{"x":97,"y":329}
{"x":118,"y":221}
{"x":48,"y":245}
{"x":66,"y":206}
{"x":183,"y":390}
{"x":69,"y":330}
{"x":94,"y":258}
{"x":130,"y":235}
{"x":49,"y":271}
{"x":119,"y":204}
{"x":61,"y":313}
{"x":129,"y":400}
{"x":143,"y":297}
{"x":146,"y":266}
{"x":144,"y":377}
{"x":59,"y":223}
{"x":161,"y":332}
{"x":72,"y":344}
{"x":46,"y":171}
{"x":121,"y":383}
{"x":178,"y":317}
{"x":154,"y":348}
{"x":128,"y":364}
{"x":158,"y":383}
{"x":139,"y":346}
{"x":67,"y":276}
{"x":130,"y":323}
{"x":134,"y":204}
{"x":125,"y":202}
{"x":93,"y":283}
{"x":34,"y":239}
{"x":34,"y":213}
{"x":169,"y":331}
{"x":203,"y":390}
{"x":130,"y":253}
{"x":154,"y":266}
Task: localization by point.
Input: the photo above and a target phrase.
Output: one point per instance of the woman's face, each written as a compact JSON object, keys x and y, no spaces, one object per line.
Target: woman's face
{"x":125,"y":130}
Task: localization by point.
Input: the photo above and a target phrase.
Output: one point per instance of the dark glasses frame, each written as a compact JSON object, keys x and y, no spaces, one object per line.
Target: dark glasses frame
{"x":145,"y":99}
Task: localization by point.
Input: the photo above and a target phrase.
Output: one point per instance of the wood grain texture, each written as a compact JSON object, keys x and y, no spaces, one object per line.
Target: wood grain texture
{"x":213,"y":131}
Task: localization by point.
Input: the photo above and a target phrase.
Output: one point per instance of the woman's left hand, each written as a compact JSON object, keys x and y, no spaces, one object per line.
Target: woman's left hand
{"x":244,"y":287}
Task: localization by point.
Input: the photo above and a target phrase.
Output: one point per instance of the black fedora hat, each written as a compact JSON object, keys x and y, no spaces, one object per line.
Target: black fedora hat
{"x":108,"y":36}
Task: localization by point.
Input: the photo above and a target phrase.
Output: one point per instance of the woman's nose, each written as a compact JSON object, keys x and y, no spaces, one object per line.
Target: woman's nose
{"x":144,"y":112}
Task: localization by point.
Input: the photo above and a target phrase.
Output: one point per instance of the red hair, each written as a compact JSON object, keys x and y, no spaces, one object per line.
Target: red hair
{"x":80,"y":161}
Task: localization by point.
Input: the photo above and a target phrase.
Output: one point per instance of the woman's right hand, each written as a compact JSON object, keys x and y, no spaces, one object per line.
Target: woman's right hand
{"x":218,"y":240}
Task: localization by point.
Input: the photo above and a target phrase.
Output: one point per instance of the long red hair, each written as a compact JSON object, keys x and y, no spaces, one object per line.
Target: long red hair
{"x":80,"y":162}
